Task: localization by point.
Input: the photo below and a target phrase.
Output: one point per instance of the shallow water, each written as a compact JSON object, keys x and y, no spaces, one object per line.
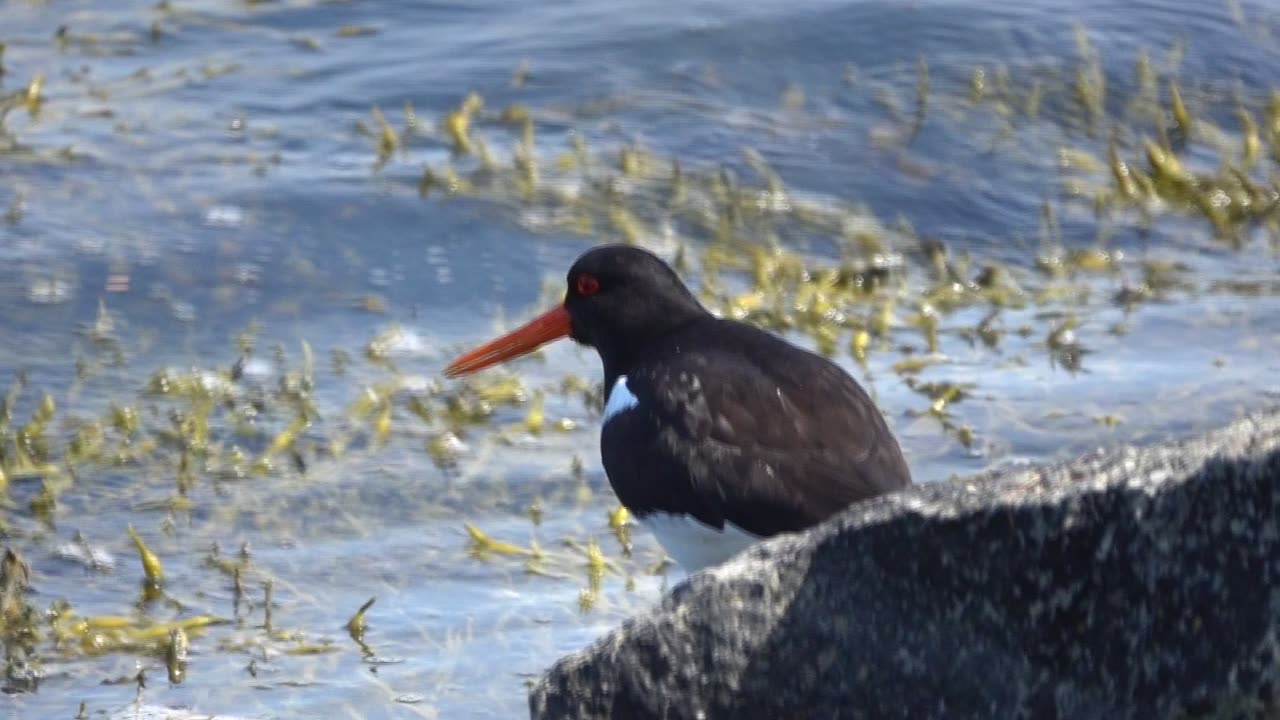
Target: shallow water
{"x":197,"y":167}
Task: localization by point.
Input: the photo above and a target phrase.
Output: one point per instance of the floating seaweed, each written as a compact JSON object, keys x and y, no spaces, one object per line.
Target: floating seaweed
{"x":256,"y":441}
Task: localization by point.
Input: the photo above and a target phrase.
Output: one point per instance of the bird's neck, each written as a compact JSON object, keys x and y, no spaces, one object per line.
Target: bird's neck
{"x":616,"y":364}
{"x":626,"y":355}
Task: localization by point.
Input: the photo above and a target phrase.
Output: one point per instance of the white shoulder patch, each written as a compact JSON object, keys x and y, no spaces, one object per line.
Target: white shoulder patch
{"x":620,"y":399}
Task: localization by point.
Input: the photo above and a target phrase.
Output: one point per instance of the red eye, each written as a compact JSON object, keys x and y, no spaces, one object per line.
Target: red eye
{"x":588,"y":285}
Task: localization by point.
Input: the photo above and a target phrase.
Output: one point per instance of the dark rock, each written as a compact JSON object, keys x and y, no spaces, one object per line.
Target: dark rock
{"x":1138,"y":583}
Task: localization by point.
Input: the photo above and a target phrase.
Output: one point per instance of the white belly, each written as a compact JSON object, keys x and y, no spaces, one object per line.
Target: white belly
{"x":696,"y":545}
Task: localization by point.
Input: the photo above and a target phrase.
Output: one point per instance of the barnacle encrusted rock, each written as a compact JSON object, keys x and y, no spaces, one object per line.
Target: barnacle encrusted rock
{"x":1132,"y":583}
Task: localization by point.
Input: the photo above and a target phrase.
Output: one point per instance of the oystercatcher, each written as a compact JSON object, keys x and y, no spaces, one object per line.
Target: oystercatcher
{"x":715,"y":433}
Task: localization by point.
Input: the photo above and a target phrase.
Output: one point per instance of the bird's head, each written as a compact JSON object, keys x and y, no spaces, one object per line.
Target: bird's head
{"x":617,"y":298}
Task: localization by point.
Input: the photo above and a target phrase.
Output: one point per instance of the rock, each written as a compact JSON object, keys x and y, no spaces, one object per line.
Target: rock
{"x":1136,"y":583}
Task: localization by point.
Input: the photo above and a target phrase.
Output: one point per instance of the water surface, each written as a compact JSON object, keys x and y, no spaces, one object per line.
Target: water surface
{"x":197,"y":168}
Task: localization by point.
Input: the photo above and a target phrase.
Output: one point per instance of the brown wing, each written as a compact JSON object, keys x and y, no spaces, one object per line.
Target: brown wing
{"x":771,"y":440}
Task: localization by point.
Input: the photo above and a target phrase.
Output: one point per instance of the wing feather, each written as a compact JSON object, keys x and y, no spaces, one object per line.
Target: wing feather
{"x":727,"y":434}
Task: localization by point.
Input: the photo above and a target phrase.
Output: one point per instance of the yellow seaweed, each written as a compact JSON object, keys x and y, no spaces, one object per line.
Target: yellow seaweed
{"x":357,"y":625}
{"x":150,"y":561}
{"x":482,"y":543}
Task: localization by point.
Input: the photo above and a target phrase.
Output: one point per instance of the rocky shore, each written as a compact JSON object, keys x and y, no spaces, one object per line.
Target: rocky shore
{"x":1130,"y":583}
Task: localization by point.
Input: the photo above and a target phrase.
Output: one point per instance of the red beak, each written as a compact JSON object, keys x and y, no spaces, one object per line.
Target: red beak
{"x":551,"y":325}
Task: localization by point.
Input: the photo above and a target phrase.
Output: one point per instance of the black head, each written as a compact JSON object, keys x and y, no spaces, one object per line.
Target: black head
{"x":619,"y":300}
{"x":620,"y":295}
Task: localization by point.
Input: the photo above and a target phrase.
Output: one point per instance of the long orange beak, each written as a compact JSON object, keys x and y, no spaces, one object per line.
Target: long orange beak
{"x":551,"y":325}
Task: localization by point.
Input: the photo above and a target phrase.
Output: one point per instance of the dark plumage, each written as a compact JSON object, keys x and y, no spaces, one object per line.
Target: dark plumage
{"x":707,"y":418}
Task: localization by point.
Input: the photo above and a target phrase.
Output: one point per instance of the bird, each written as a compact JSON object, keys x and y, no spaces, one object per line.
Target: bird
{"x":715,"y":433}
